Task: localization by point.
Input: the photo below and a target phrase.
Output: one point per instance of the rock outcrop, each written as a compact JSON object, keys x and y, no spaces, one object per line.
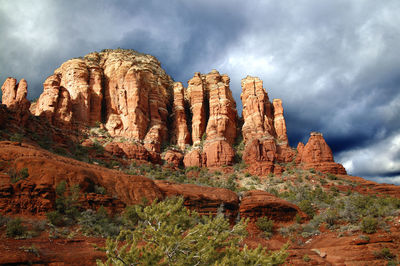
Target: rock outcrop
{"x":317,"y":154}
{"x":279,"y":123}
{"x":264,"y":129}
{"x":173,"y":158}
{"x":127,"y":91}
{"x":14,"y":97}
{"x":214,"y":117}
{"x":204,"y":200}
{"x":181,"y":135}
{"x":258,"y":203}
{"x":130,"y":96}
{"x":55,"y":103}
{"x":129,"y":150}
{"x":193,"y":158}
{"x":36,"y":193}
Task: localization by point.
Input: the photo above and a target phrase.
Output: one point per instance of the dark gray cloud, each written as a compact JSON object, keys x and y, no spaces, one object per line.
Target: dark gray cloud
{"x":334,"y":64}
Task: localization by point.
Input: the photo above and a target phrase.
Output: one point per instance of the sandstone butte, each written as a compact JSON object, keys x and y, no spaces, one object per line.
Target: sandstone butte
{"x":146,"y":116}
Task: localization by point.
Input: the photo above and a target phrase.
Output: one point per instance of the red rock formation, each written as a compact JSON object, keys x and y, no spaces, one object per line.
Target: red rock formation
{"x":35,"y":194}
{"x":279,"y":122}
{"x":218,"y":153}
{"x":257,"y":110}
{"x":129,"y":150}
{"x":173,"y":158}
{"x":214,"y":114}
{"x":205,"y":200}
{"x":193,"y":158}
{"x":264,"y":129}
{"x":128,"y":90}
{"x":317,"y":154}
{"x":181,"y":134}
{"x":196,"y":95}
{"x":257,"y":203}
{"x":222,"y":119}
{"x":14,"y":97}
{"x":55,"y":103}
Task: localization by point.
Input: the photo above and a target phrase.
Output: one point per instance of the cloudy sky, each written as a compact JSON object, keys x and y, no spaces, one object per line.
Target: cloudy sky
{"x":335,"y":64}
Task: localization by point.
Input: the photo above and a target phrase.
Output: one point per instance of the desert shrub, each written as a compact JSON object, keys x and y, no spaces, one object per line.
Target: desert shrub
{"x":310,"y":229}
{"x":100,"y":190}
{"x":17,"y":137}
{"x":284,"y":231}
{"x":306,"y":258}
{"x":15,"y":228}
{"x":384,"y":253}
{"x":331,"y":216}
{"x":306,"y":207}
{"x":331,"y":176}
{"x":265,"y":224}
{"x":170,"y":234}
{"x":55,"y":218}
{"x":56,"y":232}
{"x":17,"y":176}
{"x":98,"y":223}
{"x":231,"y":183}
{"x":66,"y":212}
{"x":3,"y":220}
{"x":217,"y":173}
{"x":369,"y":225}
{"x":97,"y":147}
{"x":273,"y":191}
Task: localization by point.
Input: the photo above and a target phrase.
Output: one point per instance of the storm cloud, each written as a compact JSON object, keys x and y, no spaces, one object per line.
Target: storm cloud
{"x":334,"y":64}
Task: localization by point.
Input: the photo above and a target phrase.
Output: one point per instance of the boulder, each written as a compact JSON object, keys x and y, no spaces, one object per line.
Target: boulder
{"x":129,"y":150}
{"x":218,"y":153}
{"x":193,"y":158}
{"x":257,"y":203}
{"x":204,"y":200}
{"x":173,"y":158}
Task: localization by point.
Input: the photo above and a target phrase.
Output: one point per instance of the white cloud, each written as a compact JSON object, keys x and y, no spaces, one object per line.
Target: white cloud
{"x":376,"y":161}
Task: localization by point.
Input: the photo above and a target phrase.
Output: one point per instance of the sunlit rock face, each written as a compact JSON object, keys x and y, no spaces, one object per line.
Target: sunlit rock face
{"x":316,"y":154}
{"x":127,"y":91}
{"x":264,"y":129}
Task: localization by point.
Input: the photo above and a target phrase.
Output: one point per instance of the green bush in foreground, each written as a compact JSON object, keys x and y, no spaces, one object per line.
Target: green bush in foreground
{"x":169,"y":234}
